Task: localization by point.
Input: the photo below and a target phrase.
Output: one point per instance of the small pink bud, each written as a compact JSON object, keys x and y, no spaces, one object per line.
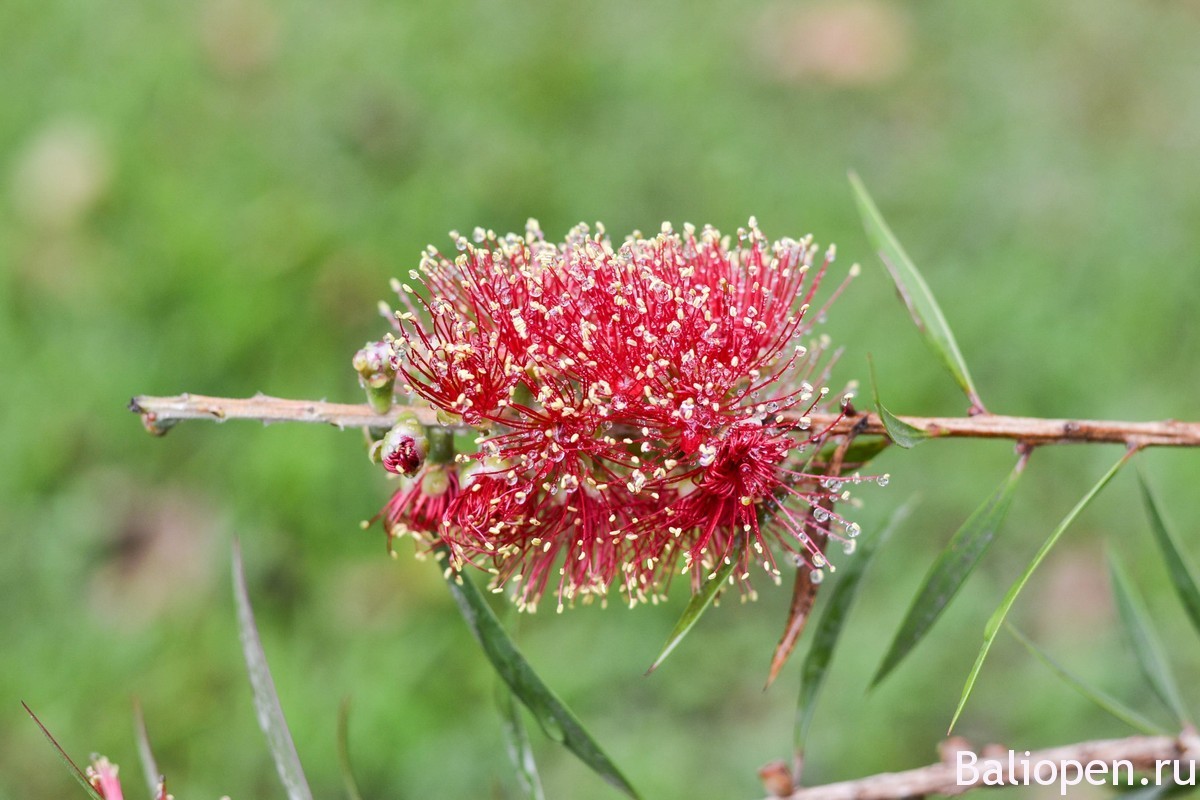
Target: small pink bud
{"x":435,"y":482}
{"x":102,"y":774}
{"x":404,"y":447}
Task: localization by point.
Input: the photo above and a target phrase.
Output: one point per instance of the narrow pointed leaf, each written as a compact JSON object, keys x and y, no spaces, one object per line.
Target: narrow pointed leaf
{"x":833,"y":619}
{"x":899,"y":431}
{"x":700,"y":602}
{"x":860,"y":452}
{"x":1001,"y":613}
{"x":804,"y":594}
{"x":950,"y":571}
{"x":1147,"y":647}
{"x":1184,"y":575}
{"x":75,"y":771}
{"x":558,"y":722}
{"x":145,"y":753}
{"x":516,"y":740}
{"x":349,"y":784}
{"x":922,"y":306}
{"x":266,"y":700}
{"x":1103,"y":701}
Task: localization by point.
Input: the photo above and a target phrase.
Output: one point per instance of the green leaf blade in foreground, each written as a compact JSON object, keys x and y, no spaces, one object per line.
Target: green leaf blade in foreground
{"x":1179,"y":565}
{"x":922,"y":306}
{"x":1147,"y":647}
{"x":1103,"y":701}
{"x":516,"y":741}
{"x":833,"y":618}
{"x":700,"y":602}
{"x":951,"y":569}
{"x":1001,"y":613}
{"x":899,"y":431}
{"x":75,"y":771}
{"x":266,"y":699}
{"x":556,"y":719}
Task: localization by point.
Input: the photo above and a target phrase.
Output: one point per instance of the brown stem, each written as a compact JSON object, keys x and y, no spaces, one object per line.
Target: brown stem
{"x":1142,"y":753}
{"x":159,"y":414}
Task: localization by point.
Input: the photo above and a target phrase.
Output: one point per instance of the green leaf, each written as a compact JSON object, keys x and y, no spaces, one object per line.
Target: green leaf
{"x":833,"y":618}
{"x":76,"y":772}
{"x":922,"y":306}
{"x":948,"y":573}
{"x":860,"y":452}
{"x":899,"y":431}
{"x":1001,"y":613}
{"x":516,"y":740}
{"x":266,"y":700}
{"x":343,"y":751}
{"x":699,"y":603}
{"x":145,"y":753}
{"x":1179,"y":566}
{"x":555,"y":718}
{"x":1102,"y":700}
{"x":1147,"y":647}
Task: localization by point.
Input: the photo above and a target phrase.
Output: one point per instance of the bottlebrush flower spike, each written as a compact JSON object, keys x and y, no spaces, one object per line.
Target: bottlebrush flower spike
{"x":637,"y":405}
{"x":419,"y":508}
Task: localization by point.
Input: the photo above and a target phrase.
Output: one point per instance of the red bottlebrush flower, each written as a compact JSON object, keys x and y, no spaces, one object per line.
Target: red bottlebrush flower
{"x":419,"y":508}
{"x":637,"y":404}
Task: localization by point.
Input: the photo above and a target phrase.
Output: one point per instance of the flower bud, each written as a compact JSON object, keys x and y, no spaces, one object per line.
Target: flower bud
{"x":404,"y":447}
{"x":102,"y":775}
{"x":376,"y":373}
{"x":435,"y":482}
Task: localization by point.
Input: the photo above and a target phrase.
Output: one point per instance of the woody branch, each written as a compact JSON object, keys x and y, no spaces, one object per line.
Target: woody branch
{"x":160,"y":414}
{"x":1144,"y":754}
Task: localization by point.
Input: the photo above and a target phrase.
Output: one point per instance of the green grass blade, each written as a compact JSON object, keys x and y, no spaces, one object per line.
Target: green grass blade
{"x":833,"y":618}
{"x":899,"y":431}
{"x":1184,"y":576}
{"x":145,"y":753}
{"x":516,"y":740}
{"x":349,"y":784}
{"x":75,"y":771}
{"x":1147,"y":647}
{"x":1001,"y":613}
{"x":555,"y":718}
{"x":948,"y":573}
{"x":266,"y":700}
{"x":1103,"y":701}
{"x":700,"y":602}
{"x":925,"y":311}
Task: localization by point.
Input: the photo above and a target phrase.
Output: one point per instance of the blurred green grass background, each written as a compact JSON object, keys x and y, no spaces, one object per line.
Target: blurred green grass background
{"x":211,"y":197}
